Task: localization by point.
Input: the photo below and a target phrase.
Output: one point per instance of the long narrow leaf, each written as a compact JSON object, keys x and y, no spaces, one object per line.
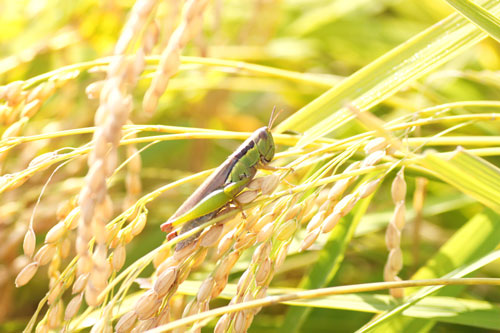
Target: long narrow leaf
{"x":326,"y":267}
{"x":479,"y":16}
{"x":426,"y":291}
{"x":388,"y":74}
{"x":470,"y":174}
{"x":453,"y":310}
{"x":458,"y":251}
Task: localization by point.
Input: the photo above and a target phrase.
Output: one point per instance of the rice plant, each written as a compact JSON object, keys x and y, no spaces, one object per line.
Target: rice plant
{"x":378,"y":212}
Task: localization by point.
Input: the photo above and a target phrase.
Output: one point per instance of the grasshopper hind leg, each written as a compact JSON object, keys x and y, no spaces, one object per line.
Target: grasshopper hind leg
{"x":199,"y":221}
{"x":191,"y":225}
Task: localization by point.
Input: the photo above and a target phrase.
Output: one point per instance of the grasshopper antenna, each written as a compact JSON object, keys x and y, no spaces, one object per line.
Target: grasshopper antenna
{"x":273,"y":117}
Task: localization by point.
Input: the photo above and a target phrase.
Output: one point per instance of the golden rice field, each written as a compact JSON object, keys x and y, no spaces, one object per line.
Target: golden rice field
{"x":261,"y":166}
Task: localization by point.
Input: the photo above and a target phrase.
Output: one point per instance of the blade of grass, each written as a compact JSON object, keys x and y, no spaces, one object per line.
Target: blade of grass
{"x":479,"y":16}
{"x":386,"y":75}
{"x":315,"y":293}
{"x":373,"y":326}
{"x":446,"y":309}
{"x":323,"y":271}
{"x":453,"y":310}
{"x":458,"y":250}
{"x":470,"y":174}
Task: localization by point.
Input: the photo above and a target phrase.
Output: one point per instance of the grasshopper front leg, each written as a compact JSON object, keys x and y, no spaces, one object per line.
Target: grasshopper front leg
{"x":224,"y":184}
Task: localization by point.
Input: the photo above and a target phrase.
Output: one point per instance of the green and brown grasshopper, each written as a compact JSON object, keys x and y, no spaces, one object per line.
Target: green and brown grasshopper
{"x":224,"y":184}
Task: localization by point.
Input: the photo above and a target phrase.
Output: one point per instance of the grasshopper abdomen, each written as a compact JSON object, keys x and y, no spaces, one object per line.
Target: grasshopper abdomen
{"x":231,"y":177}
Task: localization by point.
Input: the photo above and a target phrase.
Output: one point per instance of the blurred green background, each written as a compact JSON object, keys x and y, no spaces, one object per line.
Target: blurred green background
{"x":329,"y":39}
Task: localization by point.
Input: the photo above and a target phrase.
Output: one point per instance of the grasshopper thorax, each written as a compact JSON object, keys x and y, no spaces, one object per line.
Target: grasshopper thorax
{"x":257,"y":149}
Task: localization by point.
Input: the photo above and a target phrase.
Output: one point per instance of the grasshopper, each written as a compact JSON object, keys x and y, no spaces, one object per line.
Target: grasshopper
{"x":224,"y":184}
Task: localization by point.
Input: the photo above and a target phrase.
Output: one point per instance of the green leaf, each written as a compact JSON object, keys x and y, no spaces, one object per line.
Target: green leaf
{"x":330,"y":258}
{"x":459,"y":250}
{"x":479,"y":16}
{"x":452,"y":310}
{"x":470,"y":174}
{"x":444,"y":309}
{"x":382,"y":323}
{"x":386,"y":75}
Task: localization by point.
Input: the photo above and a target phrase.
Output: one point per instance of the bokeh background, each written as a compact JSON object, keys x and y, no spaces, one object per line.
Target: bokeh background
{"x":328,"y":39}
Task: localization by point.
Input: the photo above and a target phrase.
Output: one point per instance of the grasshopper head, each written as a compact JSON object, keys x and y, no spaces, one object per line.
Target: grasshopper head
{"x":265,"y":145}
